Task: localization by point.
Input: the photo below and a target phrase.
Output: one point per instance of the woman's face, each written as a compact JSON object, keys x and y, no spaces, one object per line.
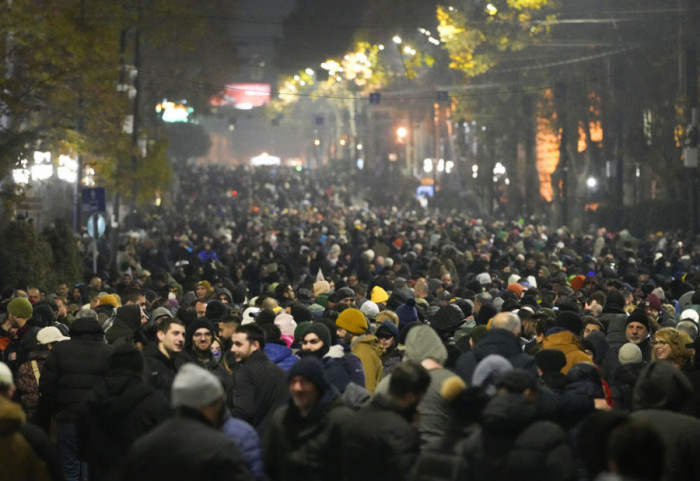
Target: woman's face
{"x":201,"y":292}
{"x":386,"y":342}
{"x":662,"y":349}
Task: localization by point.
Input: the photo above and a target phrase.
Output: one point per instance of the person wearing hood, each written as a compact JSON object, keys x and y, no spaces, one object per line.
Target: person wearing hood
{"x":69,"y":373}
{"x":565,"y":336}
{"x":614,"y":319}
{"x":659,"y":394}
{"x":502,"y":338}
{"x":423,"y":346}
{"x":127,"y":325}
{"x":277,"y":349}
{"x":119,"y":410}
{"x":352,"y":330}
{"x":304,"y":436}
{"x":512,"y":443}
{"x":388,"y":335}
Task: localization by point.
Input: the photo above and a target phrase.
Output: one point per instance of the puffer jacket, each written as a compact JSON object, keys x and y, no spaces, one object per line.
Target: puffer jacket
{"x":566,"y":342}
{"x":74,"y":367}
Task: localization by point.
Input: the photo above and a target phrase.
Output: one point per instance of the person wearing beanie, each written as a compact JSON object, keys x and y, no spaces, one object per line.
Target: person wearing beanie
{"x":370,"y":310}
{"x":407,"y":313}
{"x":119,"y":410}
{"x":304,"y":434}
{"x":204,"y":291}
{"x":550,"y":362}
{"x":637,"y":331}
{"x":200,"y":335}
{"x":259,"y":385}
{"x":344,"y":295}
{"x":352,"y":327}
{"x":19,"y":313}
{"x":65,"y":381}
{"x":215,"y":310}
{"x":300,"y":313}
{"x":656,"y":312}
{"x":630,"y":365}
{"x":341,"y":365}
{"x":189,"y":445}
{"x":378,"y":295}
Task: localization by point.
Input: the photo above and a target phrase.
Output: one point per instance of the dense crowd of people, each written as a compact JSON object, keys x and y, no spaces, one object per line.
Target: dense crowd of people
{"x":276,"y":325}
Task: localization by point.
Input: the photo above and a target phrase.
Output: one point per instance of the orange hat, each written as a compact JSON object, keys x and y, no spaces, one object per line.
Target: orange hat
{"x":577,"y":282}
{"x":517,"y":288}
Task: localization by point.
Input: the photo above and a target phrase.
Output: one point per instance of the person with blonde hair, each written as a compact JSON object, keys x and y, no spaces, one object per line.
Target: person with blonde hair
{"x":671,"y":345}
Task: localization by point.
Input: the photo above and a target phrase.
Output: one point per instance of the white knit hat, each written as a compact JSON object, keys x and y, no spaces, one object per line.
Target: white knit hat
{"x":629,"y":354}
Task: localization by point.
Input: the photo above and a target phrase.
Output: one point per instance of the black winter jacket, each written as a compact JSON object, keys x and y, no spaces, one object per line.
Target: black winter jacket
{"x":73,"y":368}
{"x":495,"y":341}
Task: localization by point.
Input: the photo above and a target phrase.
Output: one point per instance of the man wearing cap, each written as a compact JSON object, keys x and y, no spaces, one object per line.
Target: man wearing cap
{"x":19,"y":311}
{"x":71,"y":370}
{"x":200,"y":336}
{"x":28,"y":374}
{"x":259,"y":385}
{"x":27,"y":452}
{"x":304,"y":436}
{"x":189,"y":446}
{"x":351,"y":329}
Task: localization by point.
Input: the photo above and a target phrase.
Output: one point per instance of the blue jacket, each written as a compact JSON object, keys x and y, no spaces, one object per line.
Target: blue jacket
{"x":281,"y":355}
{"x":248,"y":442}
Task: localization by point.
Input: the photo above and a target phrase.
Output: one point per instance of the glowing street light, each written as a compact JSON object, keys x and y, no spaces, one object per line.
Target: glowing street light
{"x":592,"y":182}
{"x":397,"y":40}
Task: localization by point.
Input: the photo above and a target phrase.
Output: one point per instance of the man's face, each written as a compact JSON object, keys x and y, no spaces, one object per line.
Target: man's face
{"x":446,"y":280}
{"x":62,"y":290}
{"x":224,"y":298}
{"x":174,"y":340}
{"x":33,"y":295}
{"x":242,"y":348}
{"x":529,"y":327}
{"x":652,"y":313}
{"x":590,"y":328}
{"x":348,"y":301}
{"x":141,"y":301}
{"x":341,"y":333}
{"x":226,"y":330}
{"x":201,"y":339}
{"x":352,"y":281}
{"x":636,"y":332}
{"x":201,"y":308}
{"x":304,"y":393}
{"x":311,"y":342}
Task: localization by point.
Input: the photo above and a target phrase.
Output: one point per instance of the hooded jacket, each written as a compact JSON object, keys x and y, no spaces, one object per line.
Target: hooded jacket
{"x":513,"y":444}
{"x":423,"y":345}
{"x":659,"y":393}
{"x":566,"y":342}
{"x":114,"y":415}
{"x":23,"y":462}
{"x":127,"y":322}
{"x":368,"y":349}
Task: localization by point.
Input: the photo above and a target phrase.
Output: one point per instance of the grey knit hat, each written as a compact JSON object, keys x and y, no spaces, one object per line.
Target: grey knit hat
{"x":195,"y":387}
{"x":629,"y":354}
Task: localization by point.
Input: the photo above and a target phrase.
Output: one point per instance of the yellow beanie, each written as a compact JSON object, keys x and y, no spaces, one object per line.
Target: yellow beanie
{"x":352,"y":320}
{"x":379,"y":295}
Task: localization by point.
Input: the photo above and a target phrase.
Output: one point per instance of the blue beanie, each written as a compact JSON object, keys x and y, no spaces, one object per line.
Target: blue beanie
{"x":312,"y":369}
{"x":407,"y":312}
